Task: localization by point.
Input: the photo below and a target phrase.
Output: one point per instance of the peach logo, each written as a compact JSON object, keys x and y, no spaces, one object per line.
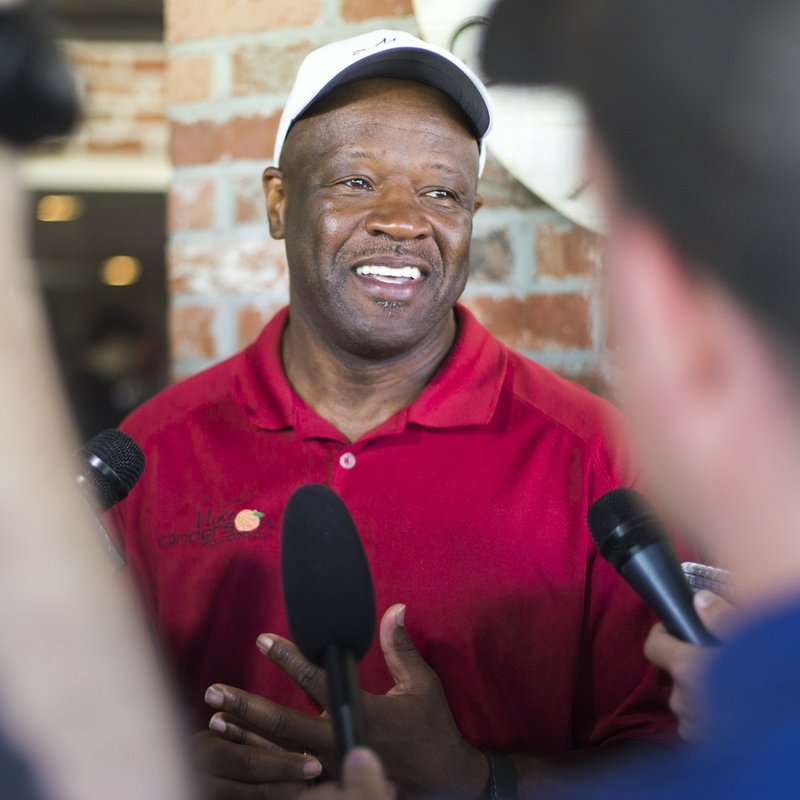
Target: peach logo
{"x":248,"y":519}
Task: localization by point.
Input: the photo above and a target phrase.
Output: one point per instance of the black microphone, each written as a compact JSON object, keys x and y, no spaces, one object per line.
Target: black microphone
{"x":329,"y":600}
{"x":109,"y":465}
{"x":633,"y":540}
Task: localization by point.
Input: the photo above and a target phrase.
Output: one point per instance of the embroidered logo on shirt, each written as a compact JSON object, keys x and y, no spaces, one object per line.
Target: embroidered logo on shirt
{"x":248,"y":519}
{"x":212,"y":528}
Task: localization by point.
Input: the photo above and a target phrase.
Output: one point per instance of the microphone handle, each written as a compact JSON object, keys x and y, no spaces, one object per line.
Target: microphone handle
{"x":111,"y":547}
{"x":656,"y":575}
{"x":112,"y":550}
{"x":344,"y":695}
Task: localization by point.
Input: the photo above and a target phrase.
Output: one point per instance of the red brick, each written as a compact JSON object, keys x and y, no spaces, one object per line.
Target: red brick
{"x":189,"y":79}
{"x":265,"y":68}
{"x":358,"y":10}
{"x":192,"y":331}
{"x":240,"y":266}
{"x":564,"y":249}
{"x":251,"y":137}
{"x":151,"y":64}
{"x":104,"y":85}
{"x":126,"y":146}
{"x":190,"y":204}
{"x":248,"y":200}
{"x":195,"y":143}
{"x":150,"y":116}
{"x":186,"y":19}
{"x":536,"y":321}
{"x":206,"y":141}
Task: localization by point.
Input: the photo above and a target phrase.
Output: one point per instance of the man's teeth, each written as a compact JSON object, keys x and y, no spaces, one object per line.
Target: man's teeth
{"x":389,"y":272}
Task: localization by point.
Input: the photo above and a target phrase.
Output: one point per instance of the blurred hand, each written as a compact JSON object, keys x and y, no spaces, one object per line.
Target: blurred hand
{"x":362,"y":779}
{"x":411,"y":726}
{"x":686,"y":663}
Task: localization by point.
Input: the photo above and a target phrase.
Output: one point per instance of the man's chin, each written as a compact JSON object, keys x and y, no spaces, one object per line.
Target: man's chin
{"x":390,"y":331}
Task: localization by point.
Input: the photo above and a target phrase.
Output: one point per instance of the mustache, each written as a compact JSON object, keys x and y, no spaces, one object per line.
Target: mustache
{"x":411,"y":249}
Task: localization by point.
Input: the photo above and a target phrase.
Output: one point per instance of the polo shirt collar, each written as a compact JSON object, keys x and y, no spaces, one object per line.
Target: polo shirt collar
{"x":464,"y":391}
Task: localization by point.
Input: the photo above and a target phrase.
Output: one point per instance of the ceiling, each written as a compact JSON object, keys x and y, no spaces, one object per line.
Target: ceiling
{"x":108,"y":19}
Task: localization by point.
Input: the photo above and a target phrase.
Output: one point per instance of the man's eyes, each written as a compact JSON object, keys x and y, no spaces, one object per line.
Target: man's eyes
{"x":435,"y":193}
{"x":357,"y":183}
{"x":441,"y":194}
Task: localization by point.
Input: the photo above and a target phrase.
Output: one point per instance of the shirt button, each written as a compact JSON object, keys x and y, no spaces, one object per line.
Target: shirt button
{"x":347,"y":461}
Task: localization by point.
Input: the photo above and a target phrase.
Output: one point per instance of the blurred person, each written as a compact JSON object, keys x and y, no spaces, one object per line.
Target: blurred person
{"x":363,"y":778}
{"x":695,"y":153}
{"x":468,"y":469}
{"x":85,"y":713}
{"x":119,"y":367}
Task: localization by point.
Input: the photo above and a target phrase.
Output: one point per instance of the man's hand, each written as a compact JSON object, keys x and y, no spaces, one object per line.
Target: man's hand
{"x":686,"y":663}
{"x":411,"y":726}
{"x":362,"y":779}
{"x":238,"y":771}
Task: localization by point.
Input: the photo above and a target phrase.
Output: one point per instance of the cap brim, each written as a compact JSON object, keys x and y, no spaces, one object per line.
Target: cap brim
{"x":422,"y":66}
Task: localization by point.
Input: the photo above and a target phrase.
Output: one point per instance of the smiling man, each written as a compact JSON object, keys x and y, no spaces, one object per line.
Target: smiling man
{"x":467,"y":468}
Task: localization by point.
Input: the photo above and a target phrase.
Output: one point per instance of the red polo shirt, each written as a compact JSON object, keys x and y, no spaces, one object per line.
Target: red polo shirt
{"x":471,"y":504}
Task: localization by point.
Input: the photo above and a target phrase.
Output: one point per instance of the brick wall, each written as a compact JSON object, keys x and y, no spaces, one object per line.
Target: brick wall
{"x":124,"y":107}
{"x":231,"y":66}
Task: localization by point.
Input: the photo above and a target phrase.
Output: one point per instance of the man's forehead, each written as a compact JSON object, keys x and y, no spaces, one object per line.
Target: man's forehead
{"x":375,"y":100}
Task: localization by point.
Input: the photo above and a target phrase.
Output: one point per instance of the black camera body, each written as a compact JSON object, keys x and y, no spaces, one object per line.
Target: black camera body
{"x":38,"y":95}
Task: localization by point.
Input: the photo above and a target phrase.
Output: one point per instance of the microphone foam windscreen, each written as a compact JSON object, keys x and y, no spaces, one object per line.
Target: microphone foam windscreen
{"x":326,"y":579}
{"x":111,"y":463}
{"x":622,"y":522}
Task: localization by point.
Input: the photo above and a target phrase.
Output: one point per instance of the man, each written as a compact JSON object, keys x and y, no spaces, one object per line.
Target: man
{"x":696,"y":122}
{"x":468,"y":471}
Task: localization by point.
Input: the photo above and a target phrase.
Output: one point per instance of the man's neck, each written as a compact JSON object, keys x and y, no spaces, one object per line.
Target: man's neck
{"x":354,"y":393}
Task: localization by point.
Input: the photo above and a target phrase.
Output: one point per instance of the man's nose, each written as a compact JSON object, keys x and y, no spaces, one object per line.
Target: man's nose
{"x":397,"y":212}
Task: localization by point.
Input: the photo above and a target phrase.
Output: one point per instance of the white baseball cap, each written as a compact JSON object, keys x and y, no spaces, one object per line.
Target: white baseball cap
{"x":387,"y":54}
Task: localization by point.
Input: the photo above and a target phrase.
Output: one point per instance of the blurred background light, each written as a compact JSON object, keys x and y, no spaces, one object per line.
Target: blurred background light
{"x":120,"y":271}
{"x":59,"y":208}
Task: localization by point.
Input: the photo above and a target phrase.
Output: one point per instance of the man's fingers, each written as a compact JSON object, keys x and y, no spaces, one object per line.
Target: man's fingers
{"x":270,"y":720}
{"x":408,"y":668}
{"x":363,"y":773}
{"x":717,"y":614}
{"x":235,"y":730}
{"x":669,"y":653}
{"x":683,"y":662}
{"x":283,"y":653}
{"x":218,"y":757}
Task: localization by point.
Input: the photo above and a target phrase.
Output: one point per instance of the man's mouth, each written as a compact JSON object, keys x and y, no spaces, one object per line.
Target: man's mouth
{"x":389,"y":274}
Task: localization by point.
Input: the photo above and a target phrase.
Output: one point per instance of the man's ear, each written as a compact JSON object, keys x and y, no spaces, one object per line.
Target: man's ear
{"x":477,"y":203}
{"x":682,"y":335}
{"x":275,"y":194}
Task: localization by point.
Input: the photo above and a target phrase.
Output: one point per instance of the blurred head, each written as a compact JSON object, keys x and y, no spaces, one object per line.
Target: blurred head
{"x":695,"y":116}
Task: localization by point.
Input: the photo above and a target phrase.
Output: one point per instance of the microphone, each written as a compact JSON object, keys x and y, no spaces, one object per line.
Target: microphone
{"x":109,"y":465}
{"x":329,"y":600}
{"x":633,"y":540}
